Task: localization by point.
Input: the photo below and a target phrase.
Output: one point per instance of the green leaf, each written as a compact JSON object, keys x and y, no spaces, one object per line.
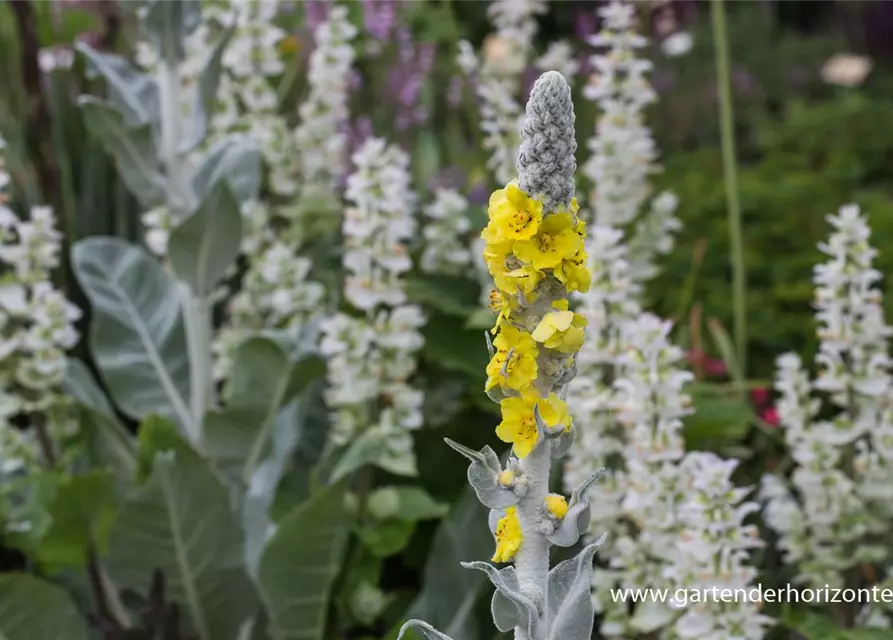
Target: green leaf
{"x":425,"y":158}
{"x":82,"y":513}
{"x":181,"y":523}
{"x":264,"y":380}
{"x":132,"y":147}
{"x":450,"y":346}
{"x":107,"y":442}
{"x":386,"y":537}
{"x":167,"y":24}
{"x":451,"y":295}
{"x":814,"y":626}
{"x":300,"y":563}
{"x":136,"y":334}
{"x":157,"y":435}
{"x":450,"y":593}
{"x":235,"y":159}
{"x":721,"y":416}
{"x":404,"y":503}
{"x":130,"y":91}
{"x":31,"y":608}
{"x":481,"y":319}
{"x":372,"y":447}
{"x":206,"y":244}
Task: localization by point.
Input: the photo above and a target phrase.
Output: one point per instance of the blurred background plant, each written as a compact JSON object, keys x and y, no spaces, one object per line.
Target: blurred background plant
{"x":811,"y":84}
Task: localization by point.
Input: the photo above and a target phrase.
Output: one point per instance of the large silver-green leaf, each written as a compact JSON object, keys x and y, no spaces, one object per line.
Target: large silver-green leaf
{"x":136,"y":336}
{"x":449,"y":593}
{"x":235,"y":159}
{"x":206,"y":244}
{"x":181,"y":522}
{"x":32,"y":609}
{"x":300,"y":563}
{"x":132,"y":147}
{"x":167,"y":24}
{"x":108,"y":443}
{"x":264,"y":380}
{"x":130,"y":91}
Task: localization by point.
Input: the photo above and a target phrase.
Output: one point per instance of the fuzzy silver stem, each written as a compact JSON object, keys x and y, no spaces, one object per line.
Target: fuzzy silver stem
{"x":546,"y":168}
{"x":532,"y":560}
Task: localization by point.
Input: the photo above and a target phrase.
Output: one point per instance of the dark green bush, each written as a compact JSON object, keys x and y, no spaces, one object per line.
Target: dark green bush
{"x":810,"y":162}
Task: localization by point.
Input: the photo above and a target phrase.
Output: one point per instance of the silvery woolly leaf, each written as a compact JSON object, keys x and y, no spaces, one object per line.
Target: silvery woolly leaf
{"x":425,"y":629}
{"x":576,"y":520}
{"x":507,"y":586}
{"x":570,"y":600}
{"x":167,"y":24}
{"x":132,"y":147}
{"x":137,"y":337}
{"x":130,"y":91}
{"x":483,"y":476}
{"x":205,"y":95}
{"x":235,"y":159}
{"x":562,"y":444}
{"x":204,"y":246}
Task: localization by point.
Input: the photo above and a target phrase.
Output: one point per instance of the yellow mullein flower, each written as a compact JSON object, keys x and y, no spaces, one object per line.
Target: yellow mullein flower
{"x":514,"y":214}
{"x":520,"y":369}
{"x":508,"y":536}
{"x":556,"y":505}
{"x":502,"y":306}
{"x":561,"y":330}
{"x":555,"y":241}
{"x":518,"y":426}
{"x":574,"y":274}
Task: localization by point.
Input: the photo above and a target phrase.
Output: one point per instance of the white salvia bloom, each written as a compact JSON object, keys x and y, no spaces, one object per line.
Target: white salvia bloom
{"x":320,"y":137}
{"x":371,"y":358}
{"x":36,"y":329}
{"x":843,"y":463}
{"x":445,"y":232}
{"x":623,"y":151}
{"x":713,"y":551}
{"x":610,"y":305}
{"x":497,"y":80}
{"x":515,"y":20}
{"x":560,"y":57}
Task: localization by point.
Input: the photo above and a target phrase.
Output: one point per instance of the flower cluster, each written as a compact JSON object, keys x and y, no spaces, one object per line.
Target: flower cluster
{"x":843,"y":461}
{"x":623,"y":151}
{"x":713,"y":551}
{"x":321,"y":136}
{"x":277,"y":289}
{"x":448,"y":224}
{"x":371,"y":358}
{"x":534,"y":250}
{"x":37,"y":326}
{"x":245,"y":99}
{"x":497,"y":79}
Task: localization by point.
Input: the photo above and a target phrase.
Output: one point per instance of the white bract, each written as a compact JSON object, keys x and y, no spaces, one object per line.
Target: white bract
{"x":623,"y":151}
{"x":36,"y":329}
{"x":444,"y":233}
{"x":371,"y":357}
{"x":839,"y":497}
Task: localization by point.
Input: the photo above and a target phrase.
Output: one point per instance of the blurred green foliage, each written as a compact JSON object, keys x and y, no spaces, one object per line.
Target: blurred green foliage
{"x":813,"y":160}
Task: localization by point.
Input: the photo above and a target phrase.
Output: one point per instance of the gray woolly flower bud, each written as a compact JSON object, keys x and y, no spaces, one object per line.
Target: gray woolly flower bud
{"x":546,"y":161}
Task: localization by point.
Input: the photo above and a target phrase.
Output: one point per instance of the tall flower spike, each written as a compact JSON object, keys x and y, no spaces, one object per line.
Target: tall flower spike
{"x":546,"y":161}
{"x":534,"y":252}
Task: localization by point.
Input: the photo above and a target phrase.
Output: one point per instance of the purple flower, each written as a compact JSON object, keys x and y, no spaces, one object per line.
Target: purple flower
{"x":451,"y":177}
{"x":379,"y":17}
{"x":315,"y":13}
{"x":585,"y":24}
{"x":405,"y":80}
